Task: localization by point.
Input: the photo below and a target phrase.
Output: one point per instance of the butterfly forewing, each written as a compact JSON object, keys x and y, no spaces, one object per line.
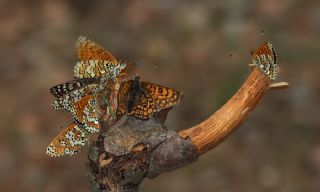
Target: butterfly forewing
{"x":89,"y":50}
{"x":85,"y":114}
{"x":65,"y":88}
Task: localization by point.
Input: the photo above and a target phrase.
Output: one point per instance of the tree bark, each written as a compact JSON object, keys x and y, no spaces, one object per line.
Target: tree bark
{"x":131,"y":150}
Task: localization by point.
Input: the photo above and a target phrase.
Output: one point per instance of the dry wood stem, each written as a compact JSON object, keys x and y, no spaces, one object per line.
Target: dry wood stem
{"x":218,"y":126}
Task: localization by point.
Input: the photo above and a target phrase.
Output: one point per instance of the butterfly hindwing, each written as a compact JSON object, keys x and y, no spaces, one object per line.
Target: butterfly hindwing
{"x":144,"y":108}
{"x":85,"y":113}
{"x":98,"y":68}
{"x":265,"y":58}
{"x":67,"y":142}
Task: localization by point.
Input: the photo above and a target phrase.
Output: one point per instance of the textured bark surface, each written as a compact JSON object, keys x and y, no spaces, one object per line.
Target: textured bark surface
{"x":132,"y":150}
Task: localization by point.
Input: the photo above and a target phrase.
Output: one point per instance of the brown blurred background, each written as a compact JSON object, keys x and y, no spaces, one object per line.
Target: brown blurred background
{"x":185,"y":45}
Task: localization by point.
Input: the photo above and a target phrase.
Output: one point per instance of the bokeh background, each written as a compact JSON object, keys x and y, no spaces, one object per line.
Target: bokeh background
{"x":185,"y":45}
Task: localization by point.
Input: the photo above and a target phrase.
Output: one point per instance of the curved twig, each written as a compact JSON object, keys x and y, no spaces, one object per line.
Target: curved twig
{"x":132,"y":150}
{"x":218,"y":126}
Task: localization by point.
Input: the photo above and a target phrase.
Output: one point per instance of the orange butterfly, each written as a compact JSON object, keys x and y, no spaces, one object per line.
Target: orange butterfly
{"x":142,"y":99}
{"x":95,"y":61}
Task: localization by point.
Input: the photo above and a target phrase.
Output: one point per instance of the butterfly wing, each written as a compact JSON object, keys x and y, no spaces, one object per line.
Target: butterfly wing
{"x":163,"y":97}
{"x":96,"y":69}
{"x":66,"y":102}
{"x":89,"y":50}
{"x":143,"y":101}
{"x":144,"y":108}
{"x":67,"y":142}
{"x":265,"y":58}
{"x":65,"y":88}
{"x":85,"y":114}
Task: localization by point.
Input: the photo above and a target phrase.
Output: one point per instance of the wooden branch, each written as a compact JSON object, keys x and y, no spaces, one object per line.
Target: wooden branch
{"x":132,"y":150}
{"x":218,"y":126}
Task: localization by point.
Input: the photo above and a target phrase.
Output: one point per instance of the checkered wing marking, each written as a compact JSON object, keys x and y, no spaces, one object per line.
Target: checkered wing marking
{"x":265,"y":58}
{"x":87,"y":49}
{"x":67,"y":142}
{"x":85,"y":114}
{"x":152,"y":98}
{"x":144,"y":108}
{"x":96,"y":68}
{"x":66,"y":102}
{"x":164,"y":97}
{"x":65,"y":88}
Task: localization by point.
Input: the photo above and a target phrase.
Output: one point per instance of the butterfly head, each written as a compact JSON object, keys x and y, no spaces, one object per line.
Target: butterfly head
{"x":122,"y":65}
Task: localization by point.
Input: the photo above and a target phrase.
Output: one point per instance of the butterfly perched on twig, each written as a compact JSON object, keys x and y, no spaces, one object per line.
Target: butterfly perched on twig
{"x":95,"y":66}
{"x":94,"y":63}
{"x":265,"y":58}
{"x":136,"y":98}
{"x":143,"y":99}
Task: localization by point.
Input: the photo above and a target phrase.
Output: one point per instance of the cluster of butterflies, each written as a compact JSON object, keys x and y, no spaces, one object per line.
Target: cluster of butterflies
{"x":141,"y":100}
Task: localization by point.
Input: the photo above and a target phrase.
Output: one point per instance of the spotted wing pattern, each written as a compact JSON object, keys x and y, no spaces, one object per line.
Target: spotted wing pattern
{"x":85,"y":113}
{"x":68,"y":142}
{"x":66,"y":102}
{"x":164,"y":97}
{"x":89,"y":50}
{"x":97,"y":68}
{"x":146,"y":99}
{"x":265,"y":58}
{"x":65,"y":88}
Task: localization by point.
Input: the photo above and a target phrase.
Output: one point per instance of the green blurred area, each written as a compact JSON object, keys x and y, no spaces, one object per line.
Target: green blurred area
{"x":185,"y":45}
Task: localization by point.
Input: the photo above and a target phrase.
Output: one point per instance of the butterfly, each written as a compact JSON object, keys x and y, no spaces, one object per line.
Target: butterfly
{"x":79,"y":96}
{"x":75,"y":135}
{"x":265,"y":58}
{"x":95,"y":64}
{"x":95,"y":61}
{"x":68,"y":142}
{"x":142,"y":100}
